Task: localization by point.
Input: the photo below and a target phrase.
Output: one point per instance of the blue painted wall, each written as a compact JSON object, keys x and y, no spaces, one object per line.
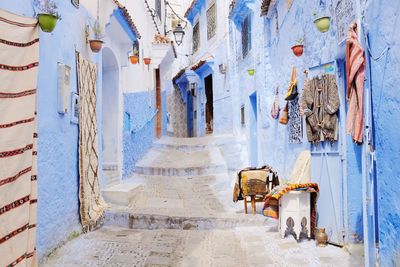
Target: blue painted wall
{"x":272,"y":58}
{"x":58,"y":209}
{"x":139,"y":140}
{"x":383,"y":24}
{"x":164,"y":112}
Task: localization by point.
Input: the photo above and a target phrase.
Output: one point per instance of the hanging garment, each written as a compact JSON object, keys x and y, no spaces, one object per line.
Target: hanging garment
{"x":320,"y":104}
{"x":295,"y":125}
{"x":275,"y":106}
{"x":292,"y":90}
{"x":355,"y":72}
{"x":92,"y":205}
{"x":19,"y":60}
{"x":284,"y":118}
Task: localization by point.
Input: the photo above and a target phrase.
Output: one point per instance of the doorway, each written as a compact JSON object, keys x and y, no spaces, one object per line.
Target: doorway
{"x":110,"y":109}
{"x":158,"y":124}
{"x":253,"y":130}
{"x":209,"y":104}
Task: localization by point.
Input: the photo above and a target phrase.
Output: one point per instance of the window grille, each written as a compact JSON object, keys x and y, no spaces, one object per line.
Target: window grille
{"x":246,"y":36}
{"x":196,"y":37}
{"x":211,"y":21}
{"x":242,"y":116}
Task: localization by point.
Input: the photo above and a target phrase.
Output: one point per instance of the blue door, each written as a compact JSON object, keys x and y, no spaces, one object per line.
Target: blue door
{"x":327,"y":168}
{"x":189,"y":113}
{"x":253,"y":130}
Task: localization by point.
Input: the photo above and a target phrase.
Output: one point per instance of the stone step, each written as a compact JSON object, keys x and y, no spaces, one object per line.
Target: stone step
{"x":121,"y":193}
{"x":124,"y":219}
{"x":188,"y":171}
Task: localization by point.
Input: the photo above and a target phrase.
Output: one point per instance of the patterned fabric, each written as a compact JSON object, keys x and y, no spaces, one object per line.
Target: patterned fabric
{"x":295,"y":125}
{"x":92,"y":205}
{"x":253,"y":181}
{"x":19,"y":56}
{"x":177,"y":110}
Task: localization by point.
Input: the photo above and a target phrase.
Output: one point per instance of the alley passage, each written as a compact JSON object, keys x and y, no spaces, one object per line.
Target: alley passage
{"x":177,"y":210}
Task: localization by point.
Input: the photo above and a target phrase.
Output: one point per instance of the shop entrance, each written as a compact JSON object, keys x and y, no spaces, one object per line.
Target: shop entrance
{"x":209,"y":104}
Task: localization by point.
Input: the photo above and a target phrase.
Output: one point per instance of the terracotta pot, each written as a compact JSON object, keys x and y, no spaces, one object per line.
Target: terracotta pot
{"x":134,"y":59}
{"x":147,"y":60}
{"x":321,"y":237}
{"x":95,"y":45}
{"x":47,"y":22}
{"x":323,"y":23}
{"x":298,"y":50}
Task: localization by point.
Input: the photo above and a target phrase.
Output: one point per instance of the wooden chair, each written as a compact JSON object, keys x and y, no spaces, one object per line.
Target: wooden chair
{"x":256,"y":190}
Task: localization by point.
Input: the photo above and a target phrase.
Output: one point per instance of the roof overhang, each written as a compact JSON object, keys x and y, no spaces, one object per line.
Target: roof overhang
{"x":239,"y":10}
{"x":194,"y":9}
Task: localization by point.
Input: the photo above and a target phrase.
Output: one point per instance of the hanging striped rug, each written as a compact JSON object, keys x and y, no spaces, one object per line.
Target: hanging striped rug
{"x":19,"y":60}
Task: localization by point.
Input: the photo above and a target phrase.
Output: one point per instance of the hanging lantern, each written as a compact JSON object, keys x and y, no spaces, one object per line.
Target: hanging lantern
{"x":179,"y":33}
{"x":250,"y":72}
{"x":147,"y":60}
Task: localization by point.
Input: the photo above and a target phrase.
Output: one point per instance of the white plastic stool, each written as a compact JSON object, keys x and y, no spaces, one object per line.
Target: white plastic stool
{"x":294,"y":214}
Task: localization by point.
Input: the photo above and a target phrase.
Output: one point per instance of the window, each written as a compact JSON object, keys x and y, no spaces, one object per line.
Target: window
{"x":196,"y":37}
{"x":158,"y":8}
{"x":211,"y":21}
{"x":246,"y":36}
{"x":242,"y":116}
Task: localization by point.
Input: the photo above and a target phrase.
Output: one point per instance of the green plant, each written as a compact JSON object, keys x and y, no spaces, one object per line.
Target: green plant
{"x":135,"y":52}
{"x":300,"y":41}
{"x":97,"y":30}
{"x":47,"y":7}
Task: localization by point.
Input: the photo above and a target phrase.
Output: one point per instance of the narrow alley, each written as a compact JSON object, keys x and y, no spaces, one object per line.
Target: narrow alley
{"x":163,"y":133}
{"x":173,"y":212}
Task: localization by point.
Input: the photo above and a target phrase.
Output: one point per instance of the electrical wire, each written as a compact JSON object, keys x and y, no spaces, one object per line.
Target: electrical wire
{"x":152,"y":16}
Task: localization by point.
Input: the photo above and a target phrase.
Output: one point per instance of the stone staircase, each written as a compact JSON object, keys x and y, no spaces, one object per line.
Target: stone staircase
{"x":182,"y":183}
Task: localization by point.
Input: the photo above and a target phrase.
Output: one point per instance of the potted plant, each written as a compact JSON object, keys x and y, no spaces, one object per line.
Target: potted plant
{"x":134,"y":58}
{"x":48,"y":15}
{"x":96,"y":43}
{"x":147,"y":60}
{"x":322,"y":23}
{"x":250,"y":72}
{"x":298,"y":48}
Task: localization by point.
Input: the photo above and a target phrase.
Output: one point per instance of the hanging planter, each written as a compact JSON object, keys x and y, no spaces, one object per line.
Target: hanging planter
{"x":323,"y":23}
{"x":147,"y":60}
{"x":96,"y":44}
{"x":47,"y":22}
{"x":48,"y":15}
{"x":298,"y":49}
{"x":250,"y":72}
{"x":134,"y":59}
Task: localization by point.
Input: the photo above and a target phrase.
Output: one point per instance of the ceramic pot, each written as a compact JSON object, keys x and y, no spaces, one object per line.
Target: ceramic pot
{"x":323,"y":23}
{"x":321,"y":237}
{"x":298,"y":50}
{"x":251,"y":72}
{"x":95,"y":45}
{"x":47,"y":22}
{"x":134,"y":59}
{"x":147,"y":60}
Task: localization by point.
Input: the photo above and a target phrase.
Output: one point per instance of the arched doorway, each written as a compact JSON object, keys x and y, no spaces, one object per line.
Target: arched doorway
{"x":110,"y":109}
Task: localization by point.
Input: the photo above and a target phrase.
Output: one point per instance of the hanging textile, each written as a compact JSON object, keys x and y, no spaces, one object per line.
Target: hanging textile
{"x":92,"y":205}
{"x":355,"y":73}
{"x":295,"y":125}
{"x":320,"y":104}
{"x":19,"y":60}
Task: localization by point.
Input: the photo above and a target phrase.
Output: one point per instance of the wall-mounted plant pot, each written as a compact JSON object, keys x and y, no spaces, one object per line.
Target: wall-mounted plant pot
{"x":147,"y":60}
{"x":134,"y":59}
{"x":47,"y":22}
{"x":298,"y":50}
{"x":250,"y":72}
{"x":96,"y":45}
{"x":323,"y":24}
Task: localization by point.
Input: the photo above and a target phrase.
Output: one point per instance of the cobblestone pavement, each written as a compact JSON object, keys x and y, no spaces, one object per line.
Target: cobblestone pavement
{"x":188,"y":220}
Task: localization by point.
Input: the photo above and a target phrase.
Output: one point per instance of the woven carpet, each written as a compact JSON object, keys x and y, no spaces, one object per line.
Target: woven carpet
{"x":92,"y":205}
{"x":19,"y":60}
